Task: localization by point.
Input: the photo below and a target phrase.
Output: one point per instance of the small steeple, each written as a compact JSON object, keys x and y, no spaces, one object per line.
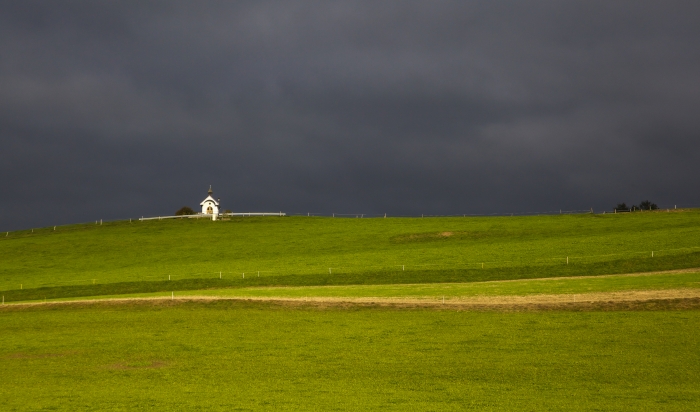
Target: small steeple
{"x":210,"y":191}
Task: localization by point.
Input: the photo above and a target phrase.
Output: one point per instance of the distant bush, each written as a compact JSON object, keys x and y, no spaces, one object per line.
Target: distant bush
{"x":647,"y":205}
{"x":184,"y":211}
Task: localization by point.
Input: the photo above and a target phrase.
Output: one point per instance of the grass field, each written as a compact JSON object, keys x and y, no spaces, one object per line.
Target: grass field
{"x":552,"y":286}
{"x":497,"y":288}
{"x":242,"y":356}
{"x":322,"y":251}
{"x":226,"y":354}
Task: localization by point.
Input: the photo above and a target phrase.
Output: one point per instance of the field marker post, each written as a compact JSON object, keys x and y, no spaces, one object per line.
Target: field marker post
{"x":482,"y":265}
{"x":54,"y":228}
{"x":443,"y":299}
{"x":652,"y":253}
{"x":567,"y":260}
{"x":384,"y":215}
{"x":258,"y":273}
{"x":244,"y":276}
{"x":168,"y":277}
{"x":100,"y":222}
{"x":675,"y":206}
{"x":329,"y":271}
{"x":333,"y":214}
{"x":403,"y":267}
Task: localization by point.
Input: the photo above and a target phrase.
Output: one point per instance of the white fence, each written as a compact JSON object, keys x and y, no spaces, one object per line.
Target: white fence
{"x":661,"y":208}
{"x":205,"y":216}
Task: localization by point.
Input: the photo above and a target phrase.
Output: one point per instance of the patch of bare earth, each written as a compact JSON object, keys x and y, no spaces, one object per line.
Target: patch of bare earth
{"x":678,"y":299}
{"x":626,"y":299}
{"x":672,"y":299}
{"x":632,"y":295}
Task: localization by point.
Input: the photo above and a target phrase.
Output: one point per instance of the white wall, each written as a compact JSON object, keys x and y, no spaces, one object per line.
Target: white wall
{"x":214,"y":207}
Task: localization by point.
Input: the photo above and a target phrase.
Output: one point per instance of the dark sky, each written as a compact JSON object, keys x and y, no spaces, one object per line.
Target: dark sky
{"x":121,"y":109}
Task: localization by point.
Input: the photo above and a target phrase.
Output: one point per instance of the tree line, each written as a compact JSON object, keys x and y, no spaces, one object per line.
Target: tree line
{"x":645,"y":205}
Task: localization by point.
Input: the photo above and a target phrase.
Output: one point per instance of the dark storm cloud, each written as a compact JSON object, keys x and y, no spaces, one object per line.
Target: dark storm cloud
{"x":118,"y":109}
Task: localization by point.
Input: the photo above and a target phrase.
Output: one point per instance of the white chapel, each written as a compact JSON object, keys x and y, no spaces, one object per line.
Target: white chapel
{"x":210,"y":206}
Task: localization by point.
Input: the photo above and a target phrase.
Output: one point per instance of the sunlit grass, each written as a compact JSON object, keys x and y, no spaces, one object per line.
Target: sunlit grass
{"x":255,"y":356}
{"x":191,"y":249}
{"x":619,"y":283}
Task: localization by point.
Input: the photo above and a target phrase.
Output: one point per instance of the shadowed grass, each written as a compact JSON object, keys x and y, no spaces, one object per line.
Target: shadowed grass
{"x":548,"y":286}
{"x":381,"y":278}
{"x":452,"y":290}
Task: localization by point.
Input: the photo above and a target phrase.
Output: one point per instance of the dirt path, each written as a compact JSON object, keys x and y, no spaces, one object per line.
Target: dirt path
{"x":623,"y":296}
{"x":625,"y":300}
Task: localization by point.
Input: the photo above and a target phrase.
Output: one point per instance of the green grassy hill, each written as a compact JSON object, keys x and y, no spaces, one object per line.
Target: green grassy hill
{"x":143,"y":256}
{"x":224,"y":356}
{"x":246,"y":354}
{"x":130,"y":257}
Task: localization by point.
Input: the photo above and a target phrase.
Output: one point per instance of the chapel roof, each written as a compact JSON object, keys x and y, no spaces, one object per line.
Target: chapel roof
{"x":209,"y":198}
